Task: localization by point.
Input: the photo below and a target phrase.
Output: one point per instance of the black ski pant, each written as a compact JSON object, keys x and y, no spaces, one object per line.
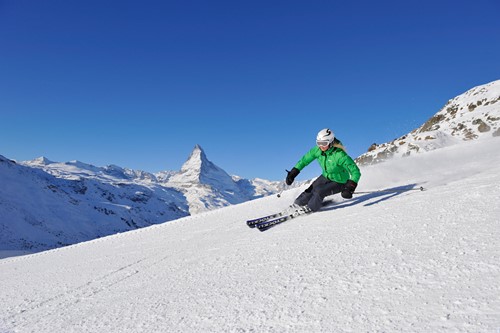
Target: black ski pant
{"x":313,"y":196}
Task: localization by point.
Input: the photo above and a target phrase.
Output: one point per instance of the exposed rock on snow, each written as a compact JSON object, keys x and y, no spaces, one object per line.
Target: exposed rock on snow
{"x":472,"y":115}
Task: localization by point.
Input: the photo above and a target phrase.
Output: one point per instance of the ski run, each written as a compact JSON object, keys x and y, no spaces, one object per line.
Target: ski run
{"x":400,"y":261}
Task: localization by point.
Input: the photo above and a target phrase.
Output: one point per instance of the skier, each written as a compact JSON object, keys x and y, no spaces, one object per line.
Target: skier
{"x":340,"y":174}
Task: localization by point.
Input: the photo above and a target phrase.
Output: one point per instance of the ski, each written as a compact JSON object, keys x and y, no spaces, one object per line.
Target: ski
{"x":253,"y":222}
{"x":282,"y":216}
{"x":263,"y":226}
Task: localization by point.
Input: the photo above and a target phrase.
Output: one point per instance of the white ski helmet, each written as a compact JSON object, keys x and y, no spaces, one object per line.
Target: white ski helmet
{"x":325,"y":137}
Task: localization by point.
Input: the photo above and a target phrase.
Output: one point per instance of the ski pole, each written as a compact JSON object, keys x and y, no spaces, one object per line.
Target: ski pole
{"x":391,"y":191}
{"x":280,"y":192}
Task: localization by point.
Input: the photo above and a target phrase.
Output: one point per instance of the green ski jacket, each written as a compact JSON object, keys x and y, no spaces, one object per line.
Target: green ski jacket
{"x":335,"y":163}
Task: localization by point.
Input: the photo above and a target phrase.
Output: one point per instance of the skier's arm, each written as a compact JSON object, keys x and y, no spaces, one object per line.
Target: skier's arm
{"x":301,"y":164}
{"x":310,"y":156}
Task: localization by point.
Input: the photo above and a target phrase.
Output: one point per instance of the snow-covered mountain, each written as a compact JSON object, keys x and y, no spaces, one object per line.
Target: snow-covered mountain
{"x":46,"y":204}
{"x":405,"y":262}
{"x":472,"y":115}
{"x":206,"y":186}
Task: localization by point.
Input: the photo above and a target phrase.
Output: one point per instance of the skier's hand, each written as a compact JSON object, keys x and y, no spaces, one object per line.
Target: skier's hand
{"x":349,"y":189}
{"x":291,"y":175}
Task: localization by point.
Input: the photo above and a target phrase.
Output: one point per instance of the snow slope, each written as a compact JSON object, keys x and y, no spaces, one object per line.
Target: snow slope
{"x":386,"y":262}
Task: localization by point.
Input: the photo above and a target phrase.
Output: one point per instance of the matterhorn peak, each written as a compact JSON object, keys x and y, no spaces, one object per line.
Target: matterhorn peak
{"x":196,"y":160}
{"x":198,"y":169}
{"x":201,"y":180}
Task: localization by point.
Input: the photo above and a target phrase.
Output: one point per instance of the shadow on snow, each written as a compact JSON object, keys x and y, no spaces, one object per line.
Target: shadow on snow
{"x":381,"y":195}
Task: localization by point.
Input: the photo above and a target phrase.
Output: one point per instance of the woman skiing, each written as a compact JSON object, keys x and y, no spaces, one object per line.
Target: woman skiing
{"x":340,"y":174}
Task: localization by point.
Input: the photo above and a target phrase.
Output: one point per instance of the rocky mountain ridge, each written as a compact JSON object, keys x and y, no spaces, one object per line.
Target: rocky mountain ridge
{"x":472,"y":115}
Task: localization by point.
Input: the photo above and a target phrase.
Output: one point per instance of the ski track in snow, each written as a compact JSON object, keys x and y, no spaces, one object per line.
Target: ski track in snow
{"x":387,"y":262}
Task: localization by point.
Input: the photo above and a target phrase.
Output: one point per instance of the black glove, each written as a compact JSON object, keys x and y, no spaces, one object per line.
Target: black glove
{"x":291,"y":175}
{"x":348,"y":190}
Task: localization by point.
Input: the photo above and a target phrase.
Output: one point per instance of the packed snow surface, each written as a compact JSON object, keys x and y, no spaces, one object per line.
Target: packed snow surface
{"x":397,"y":261}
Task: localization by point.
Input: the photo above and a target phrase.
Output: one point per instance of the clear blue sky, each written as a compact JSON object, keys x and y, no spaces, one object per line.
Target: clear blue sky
{"x":140,"y":83}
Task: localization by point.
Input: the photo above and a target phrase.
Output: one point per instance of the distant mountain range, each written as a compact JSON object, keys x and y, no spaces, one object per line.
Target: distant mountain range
{"x":46,"y":204}
{"x":472,"y":115}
